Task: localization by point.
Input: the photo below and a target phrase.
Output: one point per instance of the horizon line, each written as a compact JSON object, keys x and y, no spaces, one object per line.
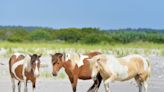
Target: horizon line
{"x":50,"y":27}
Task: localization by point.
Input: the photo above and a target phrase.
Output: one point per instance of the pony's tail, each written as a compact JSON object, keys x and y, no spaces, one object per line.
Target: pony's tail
{"x":149,"y":67}
{"x":10,"y":62}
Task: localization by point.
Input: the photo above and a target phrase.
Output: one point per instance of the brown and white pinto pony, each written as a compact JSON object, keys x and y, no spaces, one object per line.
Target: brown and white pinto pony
{"x":121,"y":69}
{"x":75,"y":69}
{"x":23,"y":68}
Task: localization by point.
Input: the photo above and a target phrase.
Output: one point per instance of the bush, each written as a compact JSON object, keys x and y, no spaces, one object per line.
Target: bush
{"x":91,"y":39}
{"x":15,"y":39}
{"x":16,"y":35}
{"x":69,"y":35}
{"x":155,"y":37}
{"x":39,"y":35}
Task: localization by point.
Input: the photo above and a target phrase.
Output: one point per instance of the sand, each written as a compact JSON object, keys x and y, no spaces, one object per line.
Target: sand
{"x":156,"y":82}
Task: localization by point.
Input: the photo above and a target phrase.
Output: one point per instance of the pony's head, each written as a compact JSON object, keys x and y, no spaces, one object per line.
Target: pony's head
{"x":35,"y":64}
{"x":94,"y":66}
{"x":57,"y":63}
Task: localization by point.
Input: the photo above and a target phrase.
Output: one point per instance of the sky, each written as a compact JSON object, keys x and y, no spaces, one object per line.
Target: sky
{"x":104,"y":14}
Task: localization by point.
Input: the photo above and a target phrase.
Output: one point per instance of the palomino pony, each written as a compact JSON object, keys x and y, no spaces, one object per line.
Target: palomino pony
{"x":121,"y":69}
{"x":23,"y":68}
{"x":75,"y":70}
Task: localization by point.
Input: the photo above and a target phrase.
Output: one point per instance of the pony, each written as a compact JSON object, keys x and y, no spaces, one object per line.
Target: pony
{"x":76,"y":67}
{"x":121,"y":69}
{"x":23,"y":68}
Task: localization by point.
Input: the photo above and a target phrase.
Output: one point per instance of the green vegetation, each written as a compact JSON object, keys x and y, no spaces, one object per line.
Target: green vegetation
{"x":78,"y":46}
{"x":117,"y":49}
{"x":89,"y":36}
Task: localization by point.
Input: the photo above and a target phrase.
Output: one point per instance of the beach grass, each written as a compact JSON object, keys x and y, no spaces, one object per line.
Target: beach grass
{"x":56,"y":45}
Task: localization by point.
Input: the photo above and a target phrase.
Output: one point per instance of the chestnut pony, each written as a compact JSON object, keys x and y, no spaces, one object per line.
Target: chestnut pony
{"x":23,"y":68}
{"x":76,"y":72}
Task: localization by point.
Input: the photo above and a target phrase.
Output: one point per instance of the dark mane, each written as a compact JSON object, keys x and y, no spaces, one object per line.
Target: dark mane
{"x":35,"y":55}
{"x":57,"y":54}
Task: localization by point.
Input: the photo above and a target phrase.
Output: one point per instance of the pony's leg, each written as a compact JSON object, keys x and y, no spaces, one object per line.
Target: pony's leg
{"x":33,"y":85}
{"x":107,"y":81}
{"x":139,"y":85}
{"x":92,"y":88}
{"x":97,"y":82}
{"x":145,"y":85}
{"x":19,"y":86}
{"x":106,"y":85}
{"x":25,"y":86}
{"x":74,"y":84}
{"x":99,"y":79}
{"x":73,"y":79}
{"x":13,"y":84}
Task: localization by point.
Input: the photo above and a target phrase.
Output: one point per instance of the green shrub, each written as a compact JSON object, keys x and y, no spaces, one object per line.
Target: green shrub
{"x":39,"y":34}
{"x":91,"y":39}
{"x":69,"y":35}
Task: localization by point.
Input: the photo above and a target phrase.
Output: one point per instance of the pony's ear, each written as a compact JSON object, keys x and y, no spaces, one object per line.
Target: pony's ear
{"x":98,"y":60}
{"x":40,"y":55}
{"x":63,"y":52}
{"x":63,"y":55}
{"x":62,"y":58}
{"x":30,"y":55}
{"x":51,"y":55}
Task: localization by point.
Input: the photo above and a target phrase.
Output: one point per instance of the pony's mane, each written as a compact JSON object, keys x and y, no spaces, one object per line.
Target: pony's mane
{"x":107,"y":56}
{"x":58,"y":54}
{"x":27,"y":64}
{"x":74,"y":56}
{"x":77,"y":58}
{"x":111,"y":56}
{"x":34,"y":55}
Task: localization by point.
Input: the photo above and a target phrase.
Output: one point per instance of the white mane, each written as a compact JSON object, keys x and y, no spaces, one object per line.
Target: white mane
{"x":27,"y":64}
{"x":76,"y":58}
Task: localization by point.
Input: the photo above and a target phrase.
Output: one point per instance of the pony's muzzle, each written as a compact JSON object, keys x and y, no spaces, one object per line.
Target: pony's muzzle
{"x":54,"y":74}
{"x":37,"y":75}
